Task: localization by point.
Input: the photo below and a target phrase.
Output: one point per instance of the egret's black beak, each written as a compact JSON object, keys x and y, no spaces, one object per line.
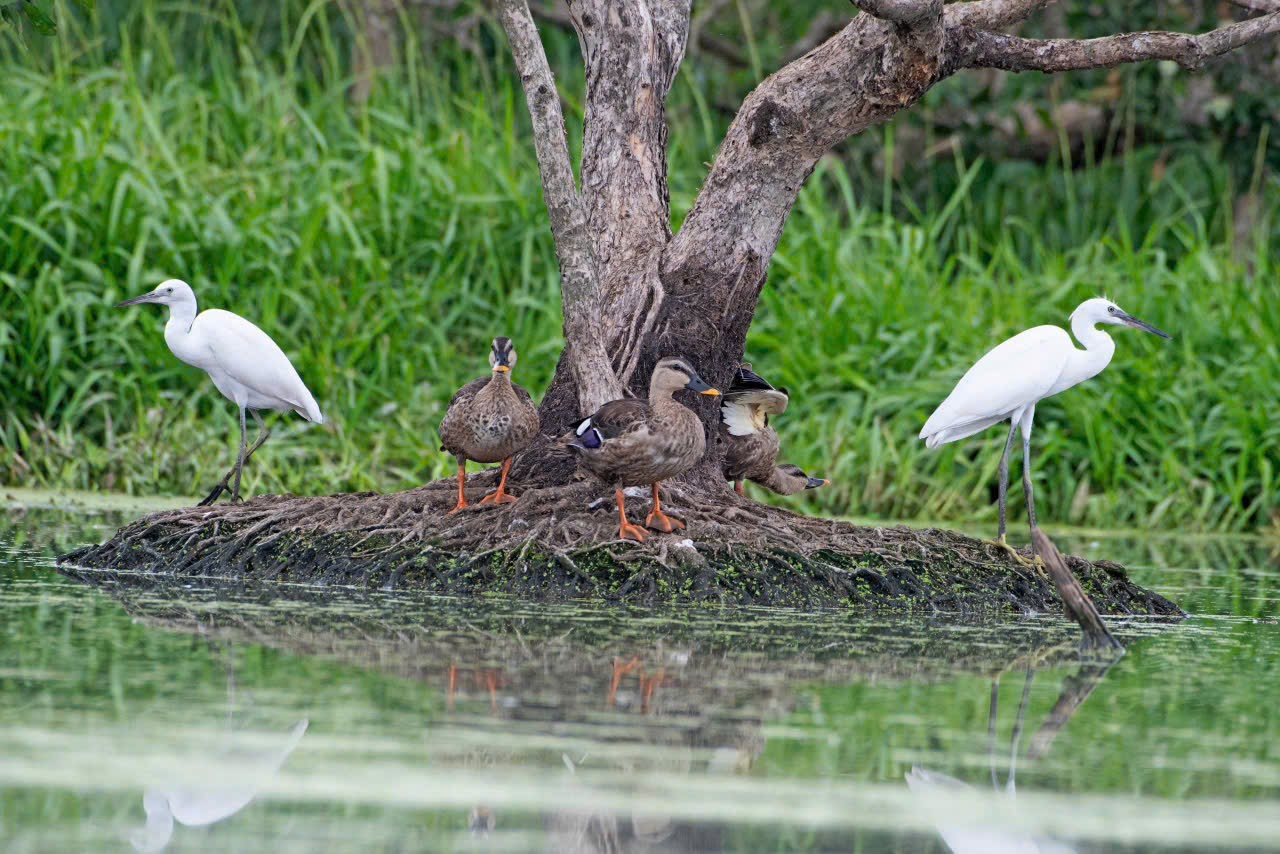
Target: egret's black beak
{"x":1142,"y":324}
{"x":815,"y":482}
{"x":698,"y":384}
{"x":138,"y":300}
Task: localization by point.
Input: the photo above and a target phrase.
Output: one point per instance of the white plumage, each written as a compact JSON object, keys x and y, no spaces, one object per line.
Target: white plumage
{"x":1008,"y":382}
{"x":247,"y":766}
{"x":963,"y":838}
{"x":1014,"y":374}
{"x":244,"y":363}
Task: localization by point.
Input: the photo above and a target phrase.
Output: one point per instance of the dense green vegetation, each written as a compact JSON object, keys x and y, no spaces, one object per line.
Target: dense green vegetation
{"x":384,"y":246}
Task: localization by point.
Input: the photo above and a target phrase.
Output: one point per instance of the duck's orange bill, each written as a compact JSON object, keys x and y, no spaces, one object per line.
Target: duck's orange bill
{"x":710,"y":392}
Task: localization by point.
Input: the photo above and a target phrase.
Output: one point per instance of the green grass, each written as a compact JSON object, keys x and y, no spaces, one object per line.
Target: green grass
{"x":383,"y":248}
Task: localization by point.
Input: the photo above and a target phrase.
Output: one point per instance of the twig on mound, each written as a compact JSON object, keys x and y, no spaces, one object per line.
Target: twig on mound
{"x":1078,"y":604}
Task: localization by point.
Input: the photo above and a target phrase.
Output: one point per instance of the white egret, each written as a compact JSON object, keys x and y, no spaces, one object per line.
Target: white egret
{"x":1011,"y":379}
{"x":244,"y":363}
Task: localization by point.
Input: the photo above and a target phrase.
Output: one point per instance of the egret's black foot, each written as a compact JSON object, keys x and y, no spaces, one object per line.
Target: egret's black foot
{"x":213,"y":496}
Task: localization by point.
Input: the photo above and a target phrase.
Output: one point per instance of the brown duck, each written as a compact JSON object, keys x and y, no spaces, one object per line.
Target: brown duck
{"x":634,"y":442}
{"x":489,"y":419}
{"x":750,"y":443}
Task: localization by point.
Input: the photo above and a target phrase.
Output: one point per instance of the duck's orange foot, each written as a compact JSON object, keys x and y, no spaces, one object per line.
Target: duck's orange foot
{"x":659,"y":521}
{"x":461,"y":505}
{"x":627,"y":531}
{"x":499,"y":496}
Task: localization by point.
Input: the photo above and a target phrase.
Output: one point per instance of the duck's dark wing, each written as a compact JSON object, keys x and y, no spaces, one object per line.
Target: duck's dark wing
{"x":521,"y":393}
{"x":618,"y":416}
{"x":468,"y":391}
{"x":452,"y":427}
{"x":748,"y":380}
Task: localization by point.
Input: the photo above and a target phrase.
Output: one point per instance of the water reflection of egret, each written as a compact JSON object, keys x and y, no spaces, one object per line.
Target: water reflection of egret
{"x":199,"y":806}
{"x":966,"y":839}
{"x":246,"y":765}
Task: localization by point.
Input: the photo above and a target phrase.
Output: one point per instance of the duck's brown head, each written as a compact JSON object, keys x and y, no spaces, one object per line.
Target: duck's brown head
{"x":674,"y":373}
{"x":788,"y":479}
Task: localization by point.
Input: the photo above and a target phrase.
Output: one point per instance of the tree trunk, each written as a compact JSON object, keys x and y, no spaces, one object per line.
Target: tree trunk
{"x":373,"y":46}
{"x":694,"y":294}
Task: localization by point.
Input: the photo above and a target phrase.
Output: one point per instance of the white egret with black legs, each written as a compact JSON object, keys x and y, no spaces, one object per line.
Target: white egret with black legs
{"x":244,"y":363}
{"x":1008,"y":382}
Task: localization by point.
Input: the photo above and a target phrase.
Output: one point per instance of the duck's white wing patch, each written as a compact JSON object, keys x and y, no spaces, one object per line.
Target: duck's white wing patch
{"x":738,"y":418}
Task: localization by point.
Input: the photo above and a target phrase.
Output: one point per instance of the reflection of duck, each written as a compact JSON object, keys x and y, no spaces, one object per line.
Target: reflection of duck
{"x":251,"y":766}
{"x":966,"y":839}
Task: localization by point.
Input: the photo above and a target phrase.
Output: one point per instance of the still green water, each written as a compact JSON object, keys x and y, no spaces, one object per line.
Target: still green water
{"x":228,"y":718}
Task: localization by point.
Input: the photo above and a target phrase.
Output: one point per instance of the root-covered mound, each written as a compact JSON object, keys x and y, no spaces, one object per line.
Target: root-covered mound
{"x":560,"y":542}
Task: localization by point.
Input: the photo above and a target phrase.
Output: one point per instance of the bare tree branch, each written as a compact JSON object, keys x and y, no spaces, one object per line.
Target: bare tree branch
{"x":1077,"y":603}
{"x":1258,"y":5}
{"x":711,"y":43}
{"x":579,"y":277}
{"x":992,"y":14}
{"x":1012,"y":53}
{"x":900,"y":11}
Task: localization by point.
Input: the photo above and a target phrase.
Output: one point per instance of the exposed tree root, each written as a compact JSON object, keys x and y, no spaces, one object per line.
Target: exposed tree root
{"x":561,"y":542}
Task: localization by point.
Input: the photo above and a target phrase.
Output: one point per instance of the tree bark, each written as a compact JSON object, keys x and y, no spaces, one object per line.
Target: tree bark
{"x":589,"y":370}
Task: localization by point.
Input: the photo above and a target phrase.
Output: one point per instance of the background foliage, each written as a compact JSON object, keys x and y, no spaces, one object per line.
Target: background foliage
{"x":383,"y":243}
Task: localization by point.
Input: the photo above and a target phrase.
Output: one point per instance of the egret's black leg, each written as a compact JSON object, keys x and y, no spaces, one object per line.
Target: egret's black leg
{"x":1026,"y":477}
{"x":264,"y":433}
{"x":1004,"y":492}
{"x":1016,"y":735}
{"x":235,"y":489}
{"x":1026,"y":421}
{"x":992,"y":709}
{"x":217,"y":490}
{"x":1004,"y":480}
{"x":222,"y":485}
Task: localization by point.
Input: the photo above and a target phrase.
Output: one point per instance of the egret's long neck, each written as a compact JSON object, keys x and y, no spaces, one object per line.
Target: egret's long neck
{"x":1097,"y":353}
{"x":158,"y":831}
{"x":181,"y":316}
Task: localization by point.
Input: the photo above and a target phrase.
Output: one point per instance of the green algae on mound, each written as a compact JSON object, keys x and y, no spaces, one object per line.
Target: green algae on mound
{"x":558,"y":544}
